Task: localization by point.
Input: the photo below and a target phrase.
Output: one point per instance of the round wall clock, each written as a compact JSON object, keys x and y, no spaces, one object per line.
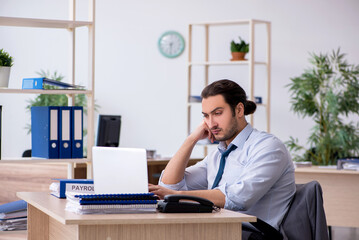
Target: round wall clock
{"x":171,"y":44}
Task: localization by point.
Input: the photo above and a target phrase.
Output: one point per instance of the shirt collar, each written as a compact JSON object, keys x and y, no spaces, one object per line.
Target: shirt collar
{"x":239,"y":140}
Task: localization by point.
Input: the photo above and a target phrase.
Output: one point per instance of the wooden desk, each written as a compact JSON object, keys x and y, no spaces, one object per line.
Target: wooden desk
{"x":155,"y":167}
{"x":47,"y":219}
{"x":340,"y":193}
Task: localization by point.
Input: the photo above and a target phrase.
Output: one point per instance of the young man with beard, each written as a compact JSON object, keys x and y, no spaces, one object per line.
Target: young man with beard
{"x":250,"y":172}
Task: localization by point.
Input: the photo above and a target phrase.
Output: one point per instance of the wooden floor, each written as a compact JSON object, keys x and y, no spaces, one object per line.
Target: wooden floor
{"x":13,"y":235}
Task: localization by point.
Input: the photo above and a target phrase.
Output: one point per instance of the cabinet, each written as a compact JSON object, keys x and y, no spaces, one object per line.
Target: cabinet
{"x":70,"y":25}
{"x":250,"y":64}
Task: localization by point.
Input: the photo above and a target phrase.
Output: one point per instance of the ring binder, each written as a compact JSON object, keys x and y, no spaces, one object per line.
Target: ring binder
{"x":44,"y":132}
{"x":77,"y":132}
{"x":111,"y":203}
{"x":65,"y":132}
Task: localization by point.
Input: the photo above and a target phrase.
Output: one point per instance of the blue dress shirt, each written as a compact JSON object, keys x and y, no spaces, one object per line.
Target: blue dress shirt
{"x":258,"y":177}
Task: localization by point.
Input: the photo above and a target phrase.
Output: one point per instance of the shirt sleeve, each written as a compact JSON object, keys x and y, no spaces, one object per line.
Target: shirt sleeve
{"x":195,"y":178}
{"x":262,"y":170}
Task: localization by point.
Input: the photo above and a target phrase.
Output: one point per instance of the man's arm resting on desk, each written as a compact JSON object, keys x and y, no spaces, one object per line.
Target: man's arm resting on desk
{"x":214,"y":195}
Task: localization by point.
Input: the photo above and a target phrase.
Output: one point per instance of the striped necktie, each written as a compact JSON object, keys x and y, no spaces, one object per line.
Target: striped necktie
{"x":221,"y":165}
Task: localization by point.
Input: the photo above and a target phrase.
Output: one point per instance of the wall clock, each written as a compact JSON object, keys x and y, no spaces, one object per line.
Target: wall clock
{"x":171,"y":44}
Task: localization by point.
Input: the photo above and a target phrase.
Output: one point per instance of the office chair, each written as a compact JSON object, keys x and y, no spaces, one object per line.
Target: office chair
{"x":305,"y":218}
{"x":26,"y":153}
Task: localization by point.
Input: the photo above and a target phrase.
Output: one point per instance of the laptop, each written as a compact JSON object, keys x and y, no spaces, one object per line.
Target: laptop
{"x":119,"y":170}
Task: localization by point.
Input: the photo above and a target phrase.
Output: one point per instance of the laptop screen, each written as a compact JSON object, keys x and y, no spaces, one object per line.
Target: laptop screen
{"x":119,"y":170}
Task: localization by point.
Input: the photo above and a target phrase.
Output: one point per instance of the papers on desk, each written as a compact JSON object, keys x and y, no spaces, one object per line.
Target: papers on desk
{"x":351,"y":166}
{"x":13,"y":224}
{"x":111,"y":203}
{"x":302,"y":164}
{"x":13,"y":216}
{"x":348,"y":164}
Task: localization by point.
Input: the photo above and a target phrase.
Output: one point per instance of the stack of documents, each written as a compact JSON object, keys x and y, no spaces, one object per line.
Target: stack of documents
{"x":111,"y":203}
{"x":13,"y":216}
{"x":302,"y":164}
{"x":348,"y":164}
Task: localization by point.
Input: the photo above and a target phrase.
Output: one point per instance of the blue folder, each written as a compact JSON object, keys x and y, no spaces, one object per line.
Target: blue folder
{"x":13,"y":206}
{"x":44,"y":132}
{"x":38,"y":83}
{"x":77,"y":132}
{"x":65,"y":125}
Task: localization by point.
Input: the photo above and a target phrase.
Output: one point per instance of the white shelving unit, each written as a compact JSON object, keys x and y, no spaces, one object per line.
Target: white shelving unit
{"x":70,"y":25}
{"x":251,"y":63}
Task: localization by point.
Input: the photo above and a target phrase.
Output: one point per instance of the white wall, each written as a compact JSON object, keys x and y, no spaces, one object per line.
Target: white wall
{"x":148,"y":90}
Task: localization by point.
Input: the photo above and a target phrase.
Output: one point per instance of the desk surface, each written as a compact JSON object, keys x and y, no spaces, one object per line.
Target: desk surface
{"x":318,"y":169}
{"x":55,"y":208}
{"x":164,"y":161}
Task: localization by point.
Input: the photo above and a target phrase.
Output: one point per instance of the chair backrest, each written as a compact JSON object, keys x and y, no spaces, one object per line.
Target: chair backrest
{"x":305,"y":218}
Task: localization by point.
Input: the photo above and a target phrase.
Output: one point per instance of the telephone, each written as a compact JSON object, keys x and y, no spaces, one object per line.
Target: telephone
{"x":174,"y":204}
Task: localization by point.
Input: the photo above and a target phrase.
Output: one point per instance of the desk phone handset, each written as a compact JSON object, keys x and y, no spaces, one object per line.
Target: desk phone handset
{"x":174,"y":204}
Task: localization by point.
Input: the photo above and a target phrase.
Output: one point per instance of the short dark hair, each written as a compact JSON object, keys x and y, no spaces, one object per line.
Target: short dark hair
{"x":232,"y":93}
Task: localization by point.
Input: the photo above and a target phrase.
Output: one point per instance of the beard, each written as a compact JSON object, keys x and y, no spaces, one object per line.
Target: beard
{"x":230,"y":133}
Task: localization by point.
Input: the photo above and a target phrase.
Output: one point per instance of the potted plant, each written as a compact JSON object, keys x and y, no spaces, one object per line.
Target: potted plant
{"x":6,"y":62}
{"x":328,"y":92}
{"x":239,"y":50}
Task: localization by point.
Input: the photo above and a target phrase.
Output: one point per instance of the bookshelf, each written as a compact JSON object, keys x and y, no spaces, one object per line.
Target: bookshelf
{"x":208,"y":63}
{"x":70,"y":25}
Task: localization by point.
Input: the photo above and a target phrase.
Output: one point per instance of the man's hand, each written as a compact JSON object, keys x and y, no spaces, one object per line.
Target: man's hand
{"x":160,"y":191}
{"x":202,"y":132}
{"x":214,"y":195}
{"x":174,"y":171}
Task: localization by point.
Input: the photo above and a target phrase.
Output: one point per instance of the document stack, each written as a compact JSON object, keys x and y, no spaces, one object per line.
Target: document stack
{"x":111,"y":203}
{"x":13,"y":216}
{"x":348,"y":164}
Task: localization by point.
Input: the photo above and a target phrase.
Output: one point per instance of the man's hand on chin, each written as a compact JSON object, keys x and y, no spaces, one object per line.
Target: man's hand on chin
{"x":160,"y":191}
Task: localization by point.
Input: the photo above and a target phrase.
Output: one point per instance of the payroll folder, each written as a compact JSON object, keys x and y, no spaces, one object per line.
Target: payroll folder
{"x":65,"y":132}
{"x":68,"y":184}
{"x":77,"y":133}
{"x":44,"y":132}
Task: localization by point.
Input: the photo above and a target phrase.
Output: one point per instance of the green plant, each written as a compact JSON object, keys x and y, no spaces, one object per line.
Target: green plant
{"x":328,"y":92}
{"x":242,"y":46}
{"x":5,"y":59}
{"x":54,"y":99}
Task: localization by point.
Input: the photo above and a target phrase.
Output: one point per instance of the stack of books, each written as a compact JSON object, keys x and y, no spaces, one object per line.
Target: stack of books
{"x":111,"y":203}
{"x":13,"y":216}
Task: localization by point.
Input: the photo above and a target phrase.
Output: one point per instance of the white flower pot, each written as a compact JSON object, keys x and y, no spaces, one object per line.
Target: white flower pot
{"x":4,"y":76}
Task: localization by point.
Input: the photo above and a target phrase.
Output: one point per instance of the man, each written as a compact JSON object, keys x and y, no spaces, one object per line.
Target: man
{"x":256,"y":175}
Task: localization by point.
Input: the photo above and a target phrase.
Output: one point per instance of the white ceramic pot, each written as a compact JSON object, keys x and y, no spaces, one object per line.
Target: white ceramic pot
{"x":4,"y":76}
